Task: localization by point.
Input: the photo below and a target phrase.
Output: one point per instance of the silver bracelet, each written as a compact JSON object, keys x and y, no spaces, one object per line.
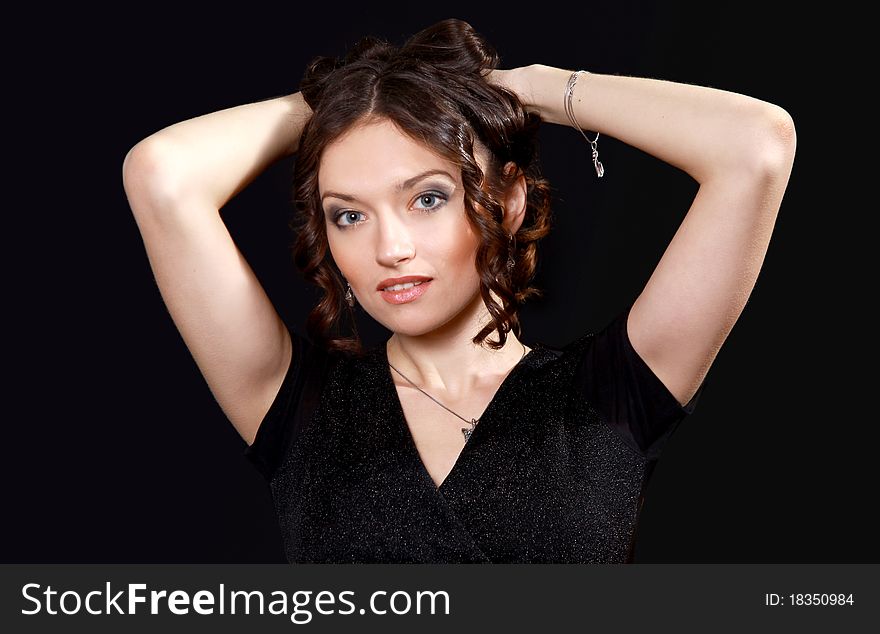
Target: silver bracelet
{"x":569,"y":90}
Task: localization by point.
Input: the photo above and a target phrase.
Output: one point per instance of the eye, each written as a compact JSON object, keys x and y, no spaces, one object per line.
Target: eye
{"x":346,"y":214}
{"x":351,"y":214}
{"x":425,"y":195}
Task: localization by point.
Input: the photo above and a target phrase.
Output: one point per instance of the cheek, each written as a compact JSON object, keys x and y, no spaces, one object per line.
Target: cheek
{"x":454,"y":249}
{"x":466,"y":242}
{"x":342,"y":257}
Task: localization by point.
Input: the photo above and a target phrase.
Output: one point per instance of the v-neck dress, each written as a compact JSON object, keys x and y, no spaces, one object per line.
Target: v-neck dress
{"x":555,"y":471}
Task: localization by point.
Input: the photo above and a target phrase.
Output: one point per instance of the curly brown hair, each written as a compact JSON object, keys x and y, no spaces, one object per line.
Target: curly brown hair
{"x":377,"y":80}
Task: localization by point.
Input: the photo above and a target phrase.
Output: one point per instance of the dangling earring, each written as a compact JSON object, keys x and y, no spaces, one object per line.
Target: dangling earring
{"x":511,"y":248}
{"x":348,"y":296}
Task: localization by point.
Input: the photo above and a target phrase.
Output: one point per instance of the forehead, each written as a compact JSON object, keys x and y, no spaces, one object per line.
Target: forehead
{"x":376,"y":157}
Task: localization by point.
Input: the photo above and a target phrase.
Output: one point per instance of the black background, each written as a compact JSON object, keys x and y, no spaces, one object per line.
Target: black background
{"x":115,"y":450}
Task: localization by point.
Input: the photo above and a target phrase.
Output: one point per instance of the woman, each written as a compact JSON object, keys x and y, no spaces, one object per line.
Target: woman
{"x":419,"y":199}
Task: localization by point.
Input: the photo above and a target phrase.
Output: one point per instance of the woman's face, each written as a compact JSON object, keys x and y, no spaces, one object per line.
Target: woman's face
{"x":385,"y":221}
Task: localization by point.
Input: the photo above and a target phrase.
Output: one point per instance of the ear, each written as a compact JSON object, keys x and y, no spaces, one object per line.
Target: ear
{"x":515,"y":199}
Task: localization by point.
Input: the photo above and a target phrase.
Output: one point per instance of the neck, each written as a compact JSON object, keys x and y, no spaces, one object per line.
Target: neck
{"x":446,"y":361}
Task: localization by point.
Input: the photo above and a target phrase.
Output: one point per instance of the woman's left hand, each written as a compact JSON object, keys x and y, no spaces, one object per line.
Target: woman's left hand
{"x":514,"y":81}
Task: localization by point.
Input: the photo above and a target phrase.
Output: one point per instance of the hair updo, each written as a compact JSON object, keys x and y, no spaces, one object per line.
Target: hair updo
{"x":377,"y":80}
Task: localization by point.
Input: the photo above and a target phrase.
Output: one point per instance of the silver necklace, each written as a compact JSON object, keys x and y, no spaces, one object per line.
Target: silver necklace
{"x":472,"y":422}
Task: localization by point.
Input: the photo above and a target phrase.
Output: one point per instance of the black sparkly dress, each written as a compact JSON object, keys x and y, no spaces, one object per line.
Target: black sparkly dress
{"x":555,"y":472}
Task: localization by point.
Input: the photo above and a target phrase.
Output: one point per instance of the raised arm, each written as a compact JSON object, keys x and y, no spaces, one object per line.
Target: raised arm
{"x":739,"y":149}
{"x":177,"y":180}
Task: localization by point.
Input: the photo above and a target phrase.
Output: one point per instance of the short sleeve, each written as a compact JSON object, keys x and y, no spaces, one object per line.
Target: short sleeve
{"x":624,"y":389}
{"x":295,"y":399}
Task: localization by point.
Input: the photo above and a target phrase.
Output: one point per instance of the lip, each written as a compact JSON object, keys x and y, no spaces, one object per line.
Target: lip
{"x":391,"y":281}
{"x":407,"y":295}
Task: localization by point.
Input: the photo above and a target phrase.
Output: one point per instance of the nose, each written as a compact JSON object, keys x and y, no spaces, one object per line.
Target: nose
{"x":395,"y":241}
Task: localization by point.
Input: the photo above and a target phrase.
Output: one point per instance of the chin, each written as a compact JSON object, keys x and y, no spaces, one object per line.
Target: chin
{"x":415,"y":323}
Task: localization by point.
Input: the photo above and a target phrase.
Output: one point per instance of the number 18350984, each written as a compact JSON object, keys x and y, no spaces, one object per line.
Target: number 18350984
{"x":804,"y":598}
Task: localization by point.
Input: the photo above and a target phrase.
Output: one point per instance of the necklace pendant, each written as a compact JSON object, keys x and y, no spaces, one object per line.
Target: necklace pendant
{"x":467,"y":432}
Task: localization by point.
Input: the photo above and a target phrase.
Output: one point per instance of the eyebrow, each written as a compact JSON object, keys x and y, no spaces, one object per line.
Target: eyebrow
{"x":400,"y":187}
